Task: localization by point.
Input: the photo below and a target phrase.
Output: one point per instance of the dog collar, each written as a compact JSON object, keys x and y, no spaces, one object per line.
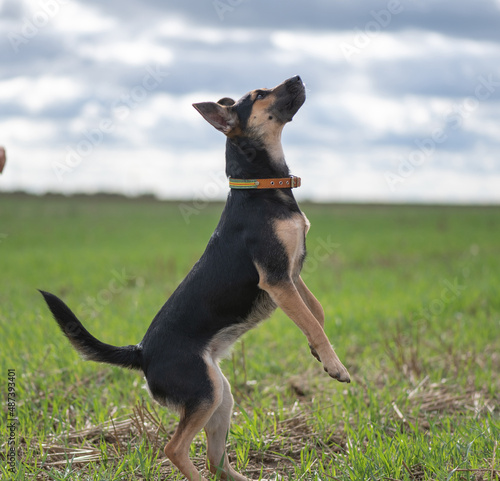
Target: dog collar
{"x":279,"y":183}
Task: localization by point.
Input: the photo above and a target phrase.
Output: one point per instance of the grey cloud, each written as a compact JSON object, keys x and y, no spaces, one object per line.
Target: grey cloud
{"x":232,"y":68}
{"x":12,"y":10}
{"x":458,"y":18}
{"x":453,"y":77}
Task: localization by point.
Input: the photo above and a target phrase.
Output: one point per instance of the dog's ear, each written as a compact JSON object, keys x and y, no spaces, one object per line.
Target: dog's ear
{"x":220,"y":115}
{"x":226,"y":101}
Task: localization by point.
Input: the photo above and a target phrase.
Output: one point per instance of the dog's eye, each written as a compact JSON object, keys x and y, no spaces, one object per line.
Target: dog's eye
{"x":260,"y":95}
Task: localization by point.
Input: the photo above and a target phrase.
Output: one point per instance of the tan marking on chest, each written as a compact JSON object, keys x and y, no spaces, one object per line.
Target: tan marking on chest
{"x":308,"y":224}
{"x":291,"y":233}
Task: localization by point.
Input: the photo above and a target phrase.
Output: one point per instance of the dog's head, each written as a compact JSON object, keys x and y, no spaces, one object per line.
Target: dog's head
{"x":259,"y":115}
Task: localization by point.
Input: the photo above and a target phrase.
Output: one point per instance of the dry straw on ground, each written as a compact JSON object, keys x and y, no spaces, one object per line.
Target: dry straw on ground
{"x":426,"y":400}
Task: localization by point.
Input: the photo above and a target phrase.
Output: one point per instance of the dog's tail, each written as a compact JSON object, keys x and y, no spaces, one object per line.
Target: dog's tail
{"x":85,"y":343}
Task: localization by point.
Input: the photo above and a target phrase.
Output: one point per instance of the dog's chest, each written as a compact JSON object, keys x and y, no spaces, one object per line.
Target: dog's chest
{"x":221,"y":343}
{"x":291,"y":233}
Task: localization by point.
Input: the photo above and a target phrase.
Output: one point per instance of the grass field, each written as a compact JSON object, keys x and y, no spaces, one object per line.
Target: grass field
{"x":412,"y":302}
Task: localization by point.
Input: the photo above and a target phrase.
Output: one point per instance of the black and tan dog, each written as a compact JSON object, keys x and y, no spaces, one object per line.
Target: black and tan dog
{"x":251,"y":265}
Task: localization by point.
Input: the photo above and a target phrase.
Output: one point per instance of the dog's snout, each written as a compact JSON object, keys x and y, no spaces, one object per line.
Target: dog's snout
{"x":294,"y":85}
{"x":290,"y":85}
{"x":290,"y":95}
{"x":295,"y":79}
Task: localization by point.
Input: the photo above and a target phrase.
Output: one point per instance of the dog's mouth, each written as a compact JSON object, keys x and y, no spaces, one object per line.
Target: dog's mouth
{"x":290,"y":96}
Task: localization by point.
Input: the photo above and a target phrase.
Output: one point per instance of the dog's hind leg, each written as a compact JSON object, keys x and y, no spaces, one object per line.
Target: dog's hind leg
{"x":177,"y":450}
{"x":216,"y":430}
{"x":193,"y":420}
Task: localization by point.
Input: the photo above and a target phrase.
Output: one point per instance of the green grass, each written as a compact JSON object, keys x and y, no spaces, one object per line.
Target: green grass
{"x":412,"y":303}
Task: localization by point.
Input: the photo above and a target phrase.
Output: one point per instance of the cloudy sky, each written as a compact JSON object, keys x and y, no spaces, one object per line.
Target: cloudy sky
{"x":403,"y":96}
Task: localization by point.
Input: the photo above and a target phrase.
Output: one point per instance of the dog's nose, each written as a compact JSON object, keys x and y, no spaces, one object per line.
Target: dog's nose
{"x":295,"y":79}
{"x":294,"y":84}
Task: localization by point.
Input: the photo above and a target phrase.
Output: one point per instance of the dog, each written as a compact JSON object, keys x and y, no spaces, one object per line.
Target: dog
{"x":250,"y":267}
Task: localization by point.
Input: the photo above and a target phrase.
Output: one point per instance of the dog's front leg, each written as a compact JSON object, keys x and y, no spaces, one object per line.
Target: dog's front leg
{"x":288,"y":297}
{"x":314,"y":306}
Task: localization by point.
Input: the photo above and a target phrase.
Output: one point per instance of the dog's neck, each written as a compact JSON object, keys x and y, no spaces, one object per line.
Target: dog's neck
{"x":247,"y":159}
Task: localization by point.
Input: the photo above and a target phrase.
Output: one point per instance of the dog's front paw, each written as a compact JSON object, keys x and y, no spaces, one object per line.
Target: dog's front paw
{"x":337,"y":370}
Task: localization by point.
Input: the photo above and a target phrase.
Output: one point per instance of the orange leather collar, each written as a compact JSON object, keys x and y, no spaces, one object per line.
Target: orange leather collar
{"x":278,"y":183}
